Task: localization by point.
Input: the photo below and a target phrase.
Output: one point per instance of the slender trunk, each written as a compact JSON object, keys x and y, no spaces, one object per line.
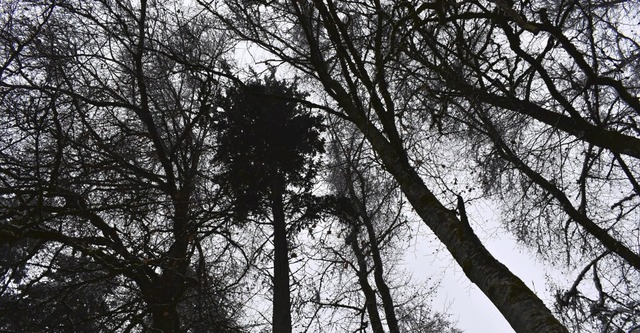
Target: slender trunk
{"x":378,"y":268}
{"x":363,"y":274}
{"x":281,"y":292}
{"x":378,"y":273}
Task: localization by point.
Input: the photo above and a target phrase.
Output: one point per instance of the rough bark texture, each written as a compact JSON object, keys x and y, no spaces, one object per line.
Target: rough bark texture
{"x":281,"y":292}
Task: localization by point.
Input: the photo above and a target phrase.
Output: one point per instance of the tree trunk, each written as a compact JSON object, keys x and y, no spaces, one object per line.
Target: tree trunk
{"x":165,"y":318}
{"x":378,"y":268}
{"x":160,"y":295}
{"x":281,"y":292}
{"x":378,"y":273}
{"x":165,"y":291}
{"x":518,"y":304}
{"x":363,"y":278}
{"x":524,"y":311}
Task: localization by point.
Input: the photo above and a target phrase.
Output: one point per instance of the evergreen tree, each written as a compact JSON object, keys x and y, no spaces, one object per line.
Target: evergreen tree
{"x":268,"y":146}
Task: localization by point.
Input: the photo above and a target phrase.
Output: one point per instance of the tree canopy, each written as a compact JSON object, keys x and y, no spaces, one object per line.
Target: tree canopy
{"x":153,"y":179}
{"x":268,"y":147}
{"x":264,"y":135}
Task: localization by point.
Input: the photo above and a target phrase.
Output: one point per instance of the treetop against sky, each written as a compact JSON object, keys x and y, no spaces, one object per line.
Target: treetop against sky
{"x":152,"y":181}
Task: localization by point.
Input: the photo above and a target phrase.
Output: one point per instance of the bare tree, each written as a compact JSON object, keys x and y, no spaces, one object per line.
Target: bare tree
{"x":549,"y":114}
{"x":352,"y":258}
{"x":105,"y":159}
{"x":353,"y":50}
{"x":371,"y":208}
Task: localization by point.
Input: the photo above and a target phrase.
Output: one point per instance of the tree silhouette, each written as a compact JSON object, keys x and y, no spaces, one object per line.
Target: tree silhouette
{"x":105,"y":133}
{"x":73,"y":296}
{"x":539,"y":99}
{"x":353,"y":52}
{"x":268,"y":147}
